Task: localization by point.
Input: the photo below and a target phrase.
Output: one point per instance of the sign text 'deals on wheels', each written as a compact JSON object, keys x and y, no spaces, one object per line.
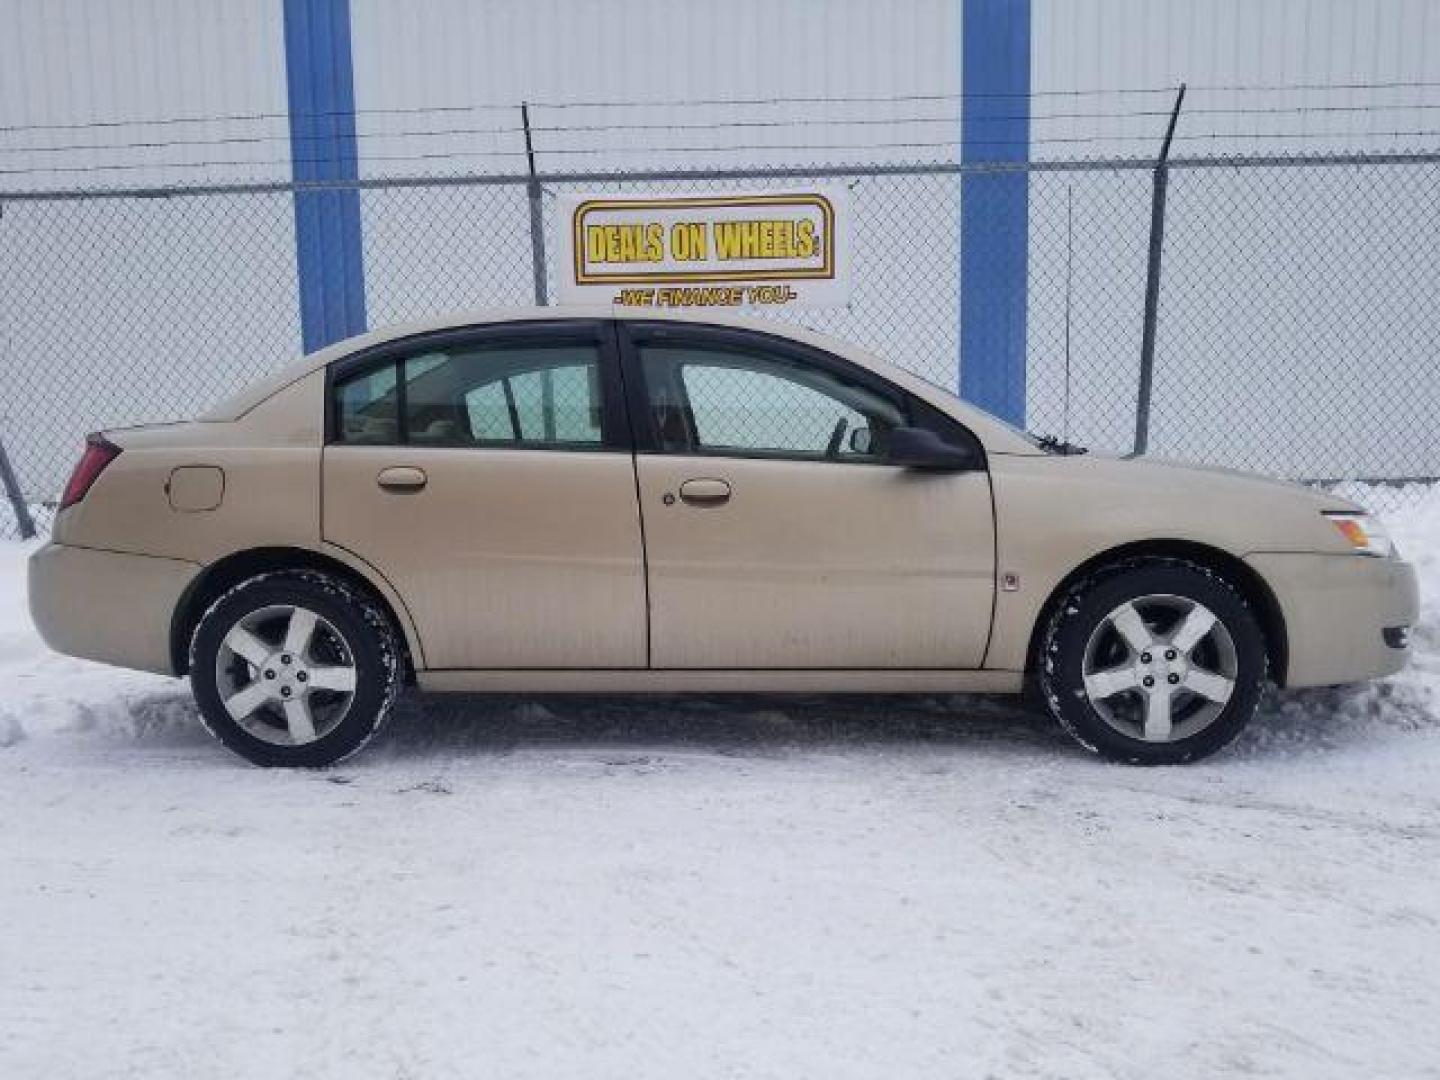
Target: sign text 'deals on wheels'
{"x":734,"y":250}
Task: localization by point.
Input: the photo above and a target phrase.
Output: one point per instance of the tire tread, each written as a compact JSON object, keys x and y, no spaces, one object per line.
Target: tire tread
{"x":1051,"y":655}
{"x":344,"y":595}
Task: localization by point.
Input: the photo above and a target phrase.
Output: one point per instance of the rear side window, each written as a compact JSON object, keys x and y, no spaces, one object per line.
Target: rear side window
{"x":558,"y":403}
{"x":366,"y":408}
{"x":488,"y":394}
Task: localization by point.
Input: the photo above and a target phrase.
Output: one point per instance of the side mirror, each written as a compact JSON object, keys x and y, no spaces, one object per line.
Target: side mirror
{"x":861,"y":441}
{"x":921,"y":448}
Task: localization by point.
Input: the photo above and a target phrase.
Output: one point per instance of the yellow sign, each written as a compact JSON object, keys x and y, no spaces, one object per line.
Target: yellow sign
{"x":733,"y":250}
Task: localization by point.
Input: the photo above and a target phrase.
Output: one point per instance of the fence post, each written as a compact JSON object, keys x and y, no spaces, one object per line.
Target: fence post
{"x":12,"y":485}
{"x":537,"y":220}
{"x":17,"y":499}
{"x":1152,"y":281}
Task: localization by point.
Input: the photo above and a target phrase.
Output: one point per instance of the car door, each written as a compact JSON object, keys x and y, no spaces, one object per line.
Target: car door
{"x":487,"y":473}
{"x":776,"y":534}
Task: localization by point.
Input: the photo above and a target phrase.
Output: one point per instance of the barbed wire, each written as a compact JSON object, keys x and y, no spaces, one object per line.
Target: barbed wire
{"x":1193,"y":136}
{"x":1061,"y":93}
{"x":464,"y":155}
{"x":770,"y":101}
{"x":988,"y":118}
{"x":362,"y":137}
{"x":242,"y":140}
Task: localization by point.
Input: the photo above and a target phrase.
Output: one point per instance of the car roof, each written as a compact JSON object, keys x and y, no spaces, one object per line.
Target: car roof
{"x":998,"y":436}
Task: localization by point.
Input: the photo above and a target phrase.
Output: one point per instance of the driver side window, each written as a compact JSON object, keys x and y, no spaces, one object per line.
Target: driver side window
{"x":710,"y":400}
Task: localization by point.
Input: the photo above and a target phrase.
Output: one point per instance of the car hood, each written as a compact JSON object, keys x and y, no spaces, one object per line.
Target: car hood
{"x":1105,"y":502}
{"x":1216,"y":480}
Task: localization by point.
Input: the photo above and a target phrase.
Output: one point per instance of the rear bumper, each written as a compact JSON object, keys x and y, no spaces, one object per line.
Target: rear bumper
{"x":1337,"y":609}
{"x":106,"y":605}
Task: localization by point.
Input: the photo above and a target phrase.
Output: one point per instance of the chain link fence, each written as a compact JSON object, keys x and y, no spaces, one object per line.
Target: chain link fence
{"x":1297,"y":329}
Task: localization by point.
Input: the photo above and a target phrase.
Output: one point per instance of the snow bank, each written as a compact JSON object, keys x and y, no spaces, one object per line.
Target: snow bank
{"x":44,"y":694}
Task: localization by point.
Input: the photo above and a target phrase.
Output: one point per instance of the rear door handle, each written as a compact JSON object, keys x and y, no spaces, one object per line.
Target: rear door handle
{"x":705,"y":492}
{"x":401,"y":478}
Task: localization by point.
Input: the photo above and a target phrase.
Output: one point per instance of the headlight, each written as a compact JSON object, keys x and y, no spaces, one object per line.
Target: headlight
{"x":1365,"y":533}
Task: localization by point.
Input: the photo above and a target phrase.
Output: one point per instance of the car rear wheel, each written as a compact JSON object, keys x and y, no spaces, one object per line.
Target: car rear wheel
{"x":294,"y":668}
{"x":1153,"y":662}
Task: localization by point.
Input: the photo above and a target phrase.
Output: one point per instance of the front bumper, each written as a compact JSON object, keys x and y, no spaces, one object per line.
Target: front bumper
{"x":1337,"y":609}
{"x":107,"y":605}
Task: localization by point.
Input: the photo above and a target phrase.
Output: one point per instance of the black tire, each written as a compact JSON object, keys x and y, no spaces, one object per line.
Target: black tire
{"x":1081,"y":613}
{"x":366,"y":639}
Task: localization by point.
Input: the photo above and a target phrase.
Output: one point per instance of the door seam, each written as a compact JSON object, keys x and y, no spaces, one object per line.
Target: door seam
{"x":644,"y":555}
{"x":994,"y":568}
{"x":617,"y":347}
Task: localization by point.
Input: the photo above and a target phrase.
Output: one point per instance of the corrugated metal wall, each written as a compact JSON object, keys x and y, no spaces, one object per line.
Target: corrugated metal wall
{"x":635,"y":84}
{"x":590,"y":70}
{"x":128,"y":310}
{"x":446,"y":77}
{"x":154,"y":88}
{"x":1274,"y":281}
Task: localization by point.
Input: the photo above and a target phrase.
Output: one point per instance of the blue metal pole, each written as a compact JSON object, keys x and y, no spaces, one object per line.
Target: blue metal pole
{"x":329,"y":254}
{"x":994,"y":206}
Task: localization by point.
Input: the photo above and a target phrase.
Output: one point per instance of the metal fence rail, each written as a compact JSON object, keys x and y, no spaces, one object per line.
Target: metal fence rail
{"x":1296,"y":323}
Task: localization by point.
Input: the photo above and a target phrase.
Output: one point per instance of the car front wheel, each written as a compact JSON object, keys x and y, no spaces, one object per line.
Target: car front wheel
{"x":294,"y":668}
{"x":1153,"y":662}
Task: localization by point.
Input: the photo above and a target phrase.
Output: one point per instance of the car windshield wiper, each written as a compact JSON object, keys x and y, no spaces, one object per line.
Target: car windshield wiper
{"x":1052,"y":444}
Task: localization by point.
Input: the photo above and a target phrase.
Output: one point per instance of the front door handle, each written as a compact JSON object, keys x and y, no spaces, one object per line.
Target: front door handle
{"x":705,"y":492}
{"x":401,"y":478}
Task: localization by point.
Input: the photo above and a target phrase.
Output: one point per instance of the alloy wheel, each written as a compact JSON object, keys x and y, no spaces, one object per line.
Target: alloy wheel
{"x":1160,"y":668}
{"x":285,"y":675}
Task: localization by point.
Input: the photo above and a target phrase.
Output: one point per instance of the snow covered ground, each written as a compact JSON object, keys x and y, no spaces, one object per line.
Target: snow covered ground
{"x":716,"y":888}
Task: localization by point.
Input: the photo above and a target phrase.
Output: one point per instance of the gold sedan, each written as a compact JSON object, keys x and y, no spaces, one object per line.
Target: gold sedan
{"x":561,"y":500}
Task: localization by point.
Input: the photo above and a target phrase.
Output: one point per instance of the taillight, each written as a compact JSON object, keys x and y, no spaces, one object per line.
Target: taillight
{"x":99,"y":452}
